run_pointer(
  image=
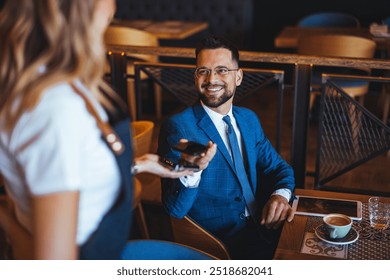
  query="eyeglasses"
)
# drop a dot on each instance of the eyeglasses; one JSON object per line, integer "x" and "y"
{"x": 203, "y": 72}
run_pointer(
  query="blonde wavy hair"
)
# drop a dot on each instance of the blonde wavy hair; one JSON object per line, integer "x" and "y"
{"x": 57, "y": 34}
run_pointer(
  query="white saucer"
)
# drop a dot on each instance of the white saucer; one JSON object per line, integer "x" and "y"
{"x": 322, "y": 234}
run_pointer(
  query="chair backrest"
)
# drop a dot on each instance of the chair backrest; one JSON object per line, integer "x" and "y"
{"x": 387, "y": 22}
{"x": 119, "y": 35}
{"x": 142, "y": 132}
{"x": 336, "y": 45}
{"x": 161, "y": 250}
{"x": 329, "y": 19}
{"x": 188, "y": 232}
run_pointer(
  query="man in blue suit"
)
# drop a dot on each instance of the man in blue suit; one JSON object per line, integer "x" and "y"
{"x": 214, "y": 196}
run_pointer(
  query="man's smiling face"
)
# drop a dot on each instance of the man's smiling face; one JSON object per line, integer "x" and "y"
{"x": 217, "y": 88}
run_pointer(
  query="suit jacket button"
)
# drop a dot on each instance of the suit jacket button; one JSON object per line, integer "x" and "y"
{"x": 239, "y": 199}
{"x": 242, "y": 216}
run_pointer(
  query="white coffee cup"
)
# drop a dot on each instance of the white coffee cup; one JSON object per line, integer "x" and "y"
{"x": 337, "y": 225}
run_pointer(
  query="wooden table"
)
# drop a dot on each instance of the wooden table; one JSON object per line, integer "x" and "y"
{"x": 292, "y": 236}
{"x": 170, "y": 29}
{"x": 288, "y": 37}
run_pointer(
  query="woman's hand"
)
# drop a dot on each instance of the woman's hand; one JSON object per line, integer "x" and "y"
{"x": 150, "y": 163}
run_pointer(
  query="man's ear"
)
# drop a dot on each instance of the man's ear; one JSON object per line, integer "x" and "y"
{"x": 239, "y": 77}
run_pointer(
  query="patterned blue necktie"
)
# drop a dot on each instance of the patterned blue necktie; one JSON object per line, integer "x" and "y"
{"x": 241, "y": 172}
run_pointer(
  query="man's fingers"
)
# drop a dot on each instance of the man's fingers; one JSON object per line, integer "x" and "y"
{"x": 290, "y": 215}
{"x": 276, "y": 212}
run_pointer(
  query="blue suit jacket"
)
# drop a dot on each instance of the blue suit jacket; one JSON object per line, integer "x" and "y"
{"x": 218, "y": 203}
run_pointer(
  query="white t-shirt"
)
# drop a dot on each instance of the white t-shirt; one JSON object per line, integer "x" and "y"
{"x": 58, "y": 147}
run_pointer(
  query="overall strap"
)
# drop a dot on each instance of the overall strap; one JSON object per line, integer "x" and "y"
{"x": 109, "y": 239}
{"x": 112, "y": 139}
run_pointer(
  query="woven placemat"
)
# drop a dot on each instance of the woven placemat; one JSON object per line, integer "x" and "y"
{"x": 371, "y": 245}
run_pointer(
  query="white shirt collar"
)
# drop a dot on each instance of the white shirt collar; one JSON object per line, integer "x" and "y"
{"x": 216, "y": 117}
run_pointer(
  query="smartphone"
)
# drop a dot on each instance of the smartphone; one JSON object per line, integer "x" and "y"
{"x": 167, "y": 163}
{"x": 191, "y": 148}
{"x": 185, "y": 165}
{"x": 182, "y": 165}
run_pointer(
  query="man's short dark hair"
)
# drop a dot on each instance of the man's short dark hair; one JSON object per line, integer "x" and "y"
{"x": 214, "y": 42}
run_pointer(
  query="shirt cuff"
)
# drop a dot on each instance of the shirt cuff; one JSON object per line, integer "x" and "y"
{"x": 191, "y": 181}
{"x": 286, "y": 193}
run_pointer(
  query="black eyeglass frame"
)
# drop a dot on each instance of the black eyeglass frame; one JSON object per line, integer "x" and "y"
{"x": 215, "y": 70}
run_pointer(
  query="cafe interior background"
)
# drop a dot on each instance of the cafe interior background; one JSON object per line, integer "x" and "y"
{"x": 253, "y": 26}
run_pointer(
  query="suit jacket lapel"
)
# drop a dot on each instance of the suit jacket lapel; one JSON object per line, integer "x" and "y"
{"x": 206, "y": 125}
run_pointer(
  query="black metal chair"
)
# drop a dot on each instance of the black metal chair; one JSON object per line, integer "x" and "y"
{"x": 343, "y": 145}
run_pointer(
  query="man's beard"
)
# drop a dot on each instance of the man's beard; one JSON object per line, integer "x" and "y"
{"x": 215, "y": 102}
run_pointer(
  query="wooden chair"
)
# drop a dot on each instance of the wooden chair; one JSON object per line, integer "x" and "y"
{"x": 118, "y": 35}
{"x": 142, "y": 136}
{"x": 142, "y": 132}
{"x": 340, "y": 46}
{"x": 308, "y": 45}
{"x": 188, "y": 232}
